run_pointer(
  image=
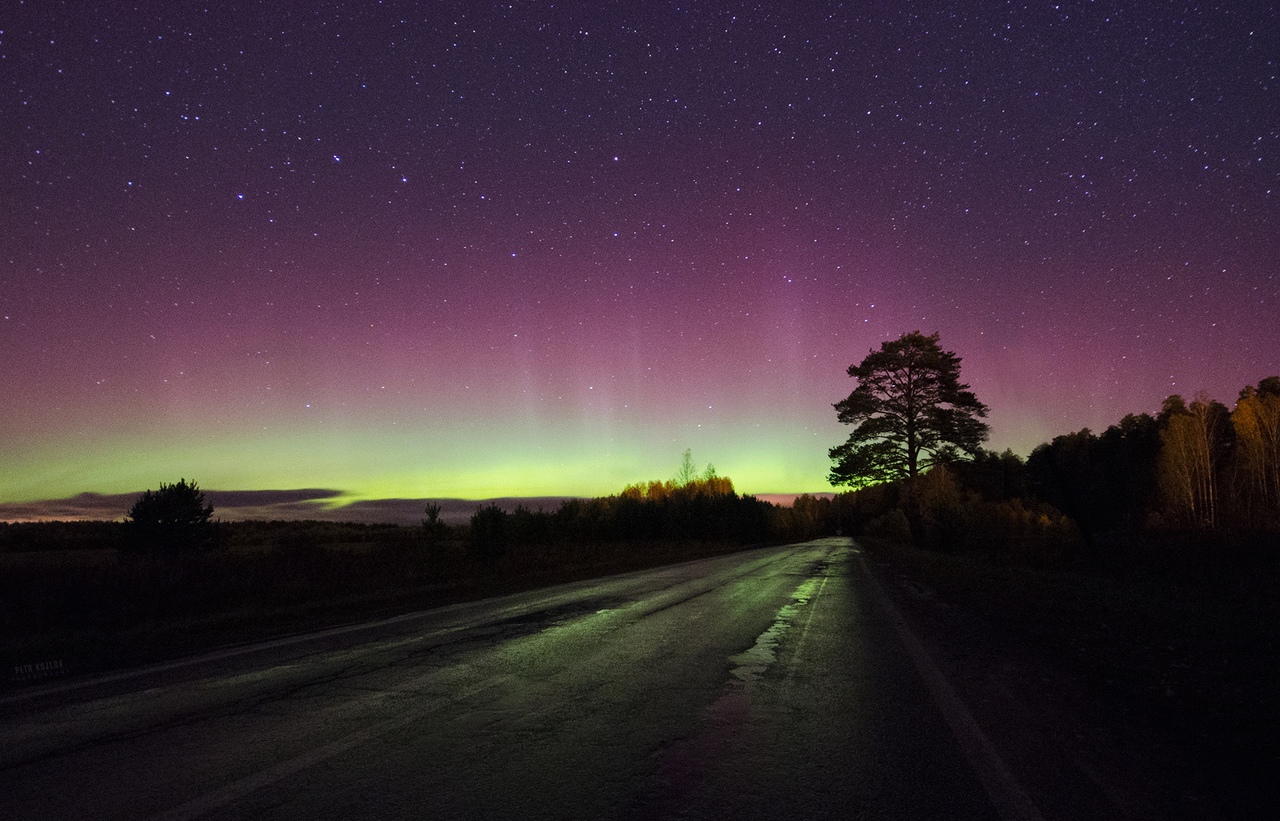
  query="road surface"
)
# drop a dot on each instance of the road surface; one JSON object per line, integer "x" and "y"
{"x": 767, "y": 684}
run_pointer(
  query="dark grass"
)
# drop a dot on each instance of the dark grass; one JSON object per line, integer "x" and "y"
{"x": 1175, "y": 634}
{"x": 74, "y": 612}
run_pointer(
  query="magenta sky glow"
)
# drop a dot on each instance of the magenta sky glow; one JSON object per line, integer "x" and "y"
{"x": 468, "y": 250}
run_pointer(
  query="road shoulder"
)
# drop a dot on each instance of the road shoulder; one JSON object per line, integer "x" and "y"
{"x": 1074, "y": 753}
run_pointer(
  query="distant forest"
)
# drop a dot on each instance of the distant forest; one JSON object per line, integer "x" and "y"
{"x": 1196, "y": 471}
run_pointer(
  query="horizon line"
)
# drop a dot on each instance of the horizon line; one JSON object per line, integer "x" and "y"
{"x": 305, "y": 504}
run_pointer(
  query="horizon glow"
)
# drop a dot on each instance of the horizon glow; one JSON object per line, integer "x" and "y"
{"x": 582, "y": 243}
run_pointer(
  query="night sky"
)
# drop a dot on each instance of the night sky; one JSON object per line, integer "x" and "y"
{"x": 461, "y": 249}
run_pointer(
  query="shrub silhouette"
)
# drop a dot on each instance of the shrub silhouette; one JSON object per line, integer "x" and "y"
{"x": 488, "y": 533}
{"x": 173, "y": 518}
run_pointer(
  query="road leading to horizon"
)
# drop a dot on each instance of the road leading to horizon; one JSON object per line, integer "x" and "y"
{"x": 767, "y": 684}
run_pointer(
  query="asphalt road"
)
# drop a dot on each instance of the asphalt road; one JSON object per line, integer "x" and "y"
{"x": 765, "y": 684}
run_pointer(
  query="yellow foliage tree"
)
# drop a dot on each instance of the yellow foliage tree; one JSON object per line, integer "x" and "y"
{"x": 1256, "y": 421}
{"x": 1189, "y": 455}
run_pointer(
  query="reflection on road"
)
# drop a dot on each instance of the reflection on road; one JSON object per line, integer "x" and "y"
{"x": 750, "y": 685}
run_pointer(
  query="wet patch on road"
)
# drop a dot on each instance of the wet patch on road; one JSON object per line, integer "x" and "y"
{"x": 685, "y": 765}
{"x": 541, "y": 619}
{"x": 752, "y": 664}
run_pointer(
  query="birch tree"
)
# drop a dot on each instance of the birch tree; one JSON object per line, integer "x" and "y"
{"x": 1256, "y": 422}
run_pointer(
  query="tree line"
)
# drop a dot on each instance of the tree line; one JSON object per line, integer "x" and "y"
{"x": 918, "y": 470}
{"x": 1195, "y": 466}
{"x": 691, "y": 508}
{"x": 696, "y": 506}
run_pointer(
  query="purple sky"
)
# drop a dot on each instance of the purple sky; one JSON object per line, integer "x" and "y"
{"x": 468, "y": 250}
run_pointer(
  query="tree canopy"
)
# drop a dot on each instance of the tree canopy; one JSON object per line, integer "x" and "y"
{"x": 909, "y": 411}
{"x": 173, "y": 517}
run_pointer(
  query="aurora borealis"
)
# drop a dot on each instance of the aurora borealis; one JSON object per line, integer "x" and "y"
{"x": 401, "y": 250}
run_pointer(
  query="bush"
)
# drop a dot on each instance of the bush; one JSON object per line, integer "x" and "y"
{"x": 488, "y": 533}
{"x": 891, "y": 526}
{"x": 944, "y": 510}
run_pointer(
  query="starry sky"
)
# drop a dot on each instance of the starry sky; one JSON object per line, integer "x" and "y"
{"x": 396, "y": 250}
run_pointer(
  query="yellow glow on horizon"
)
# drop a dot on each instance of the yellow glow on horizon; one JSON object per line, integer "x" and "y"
{"x": 388, "y": 461}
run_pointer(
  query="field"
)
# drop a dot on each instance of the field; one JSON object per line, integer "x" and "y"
{"x": 72, "y": 604}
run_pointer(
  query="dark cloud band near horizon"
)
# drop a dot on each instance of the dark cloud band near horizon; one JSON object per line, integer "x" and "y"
{"x": 289, "y": 505}
{"x": 270, "y": 505}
